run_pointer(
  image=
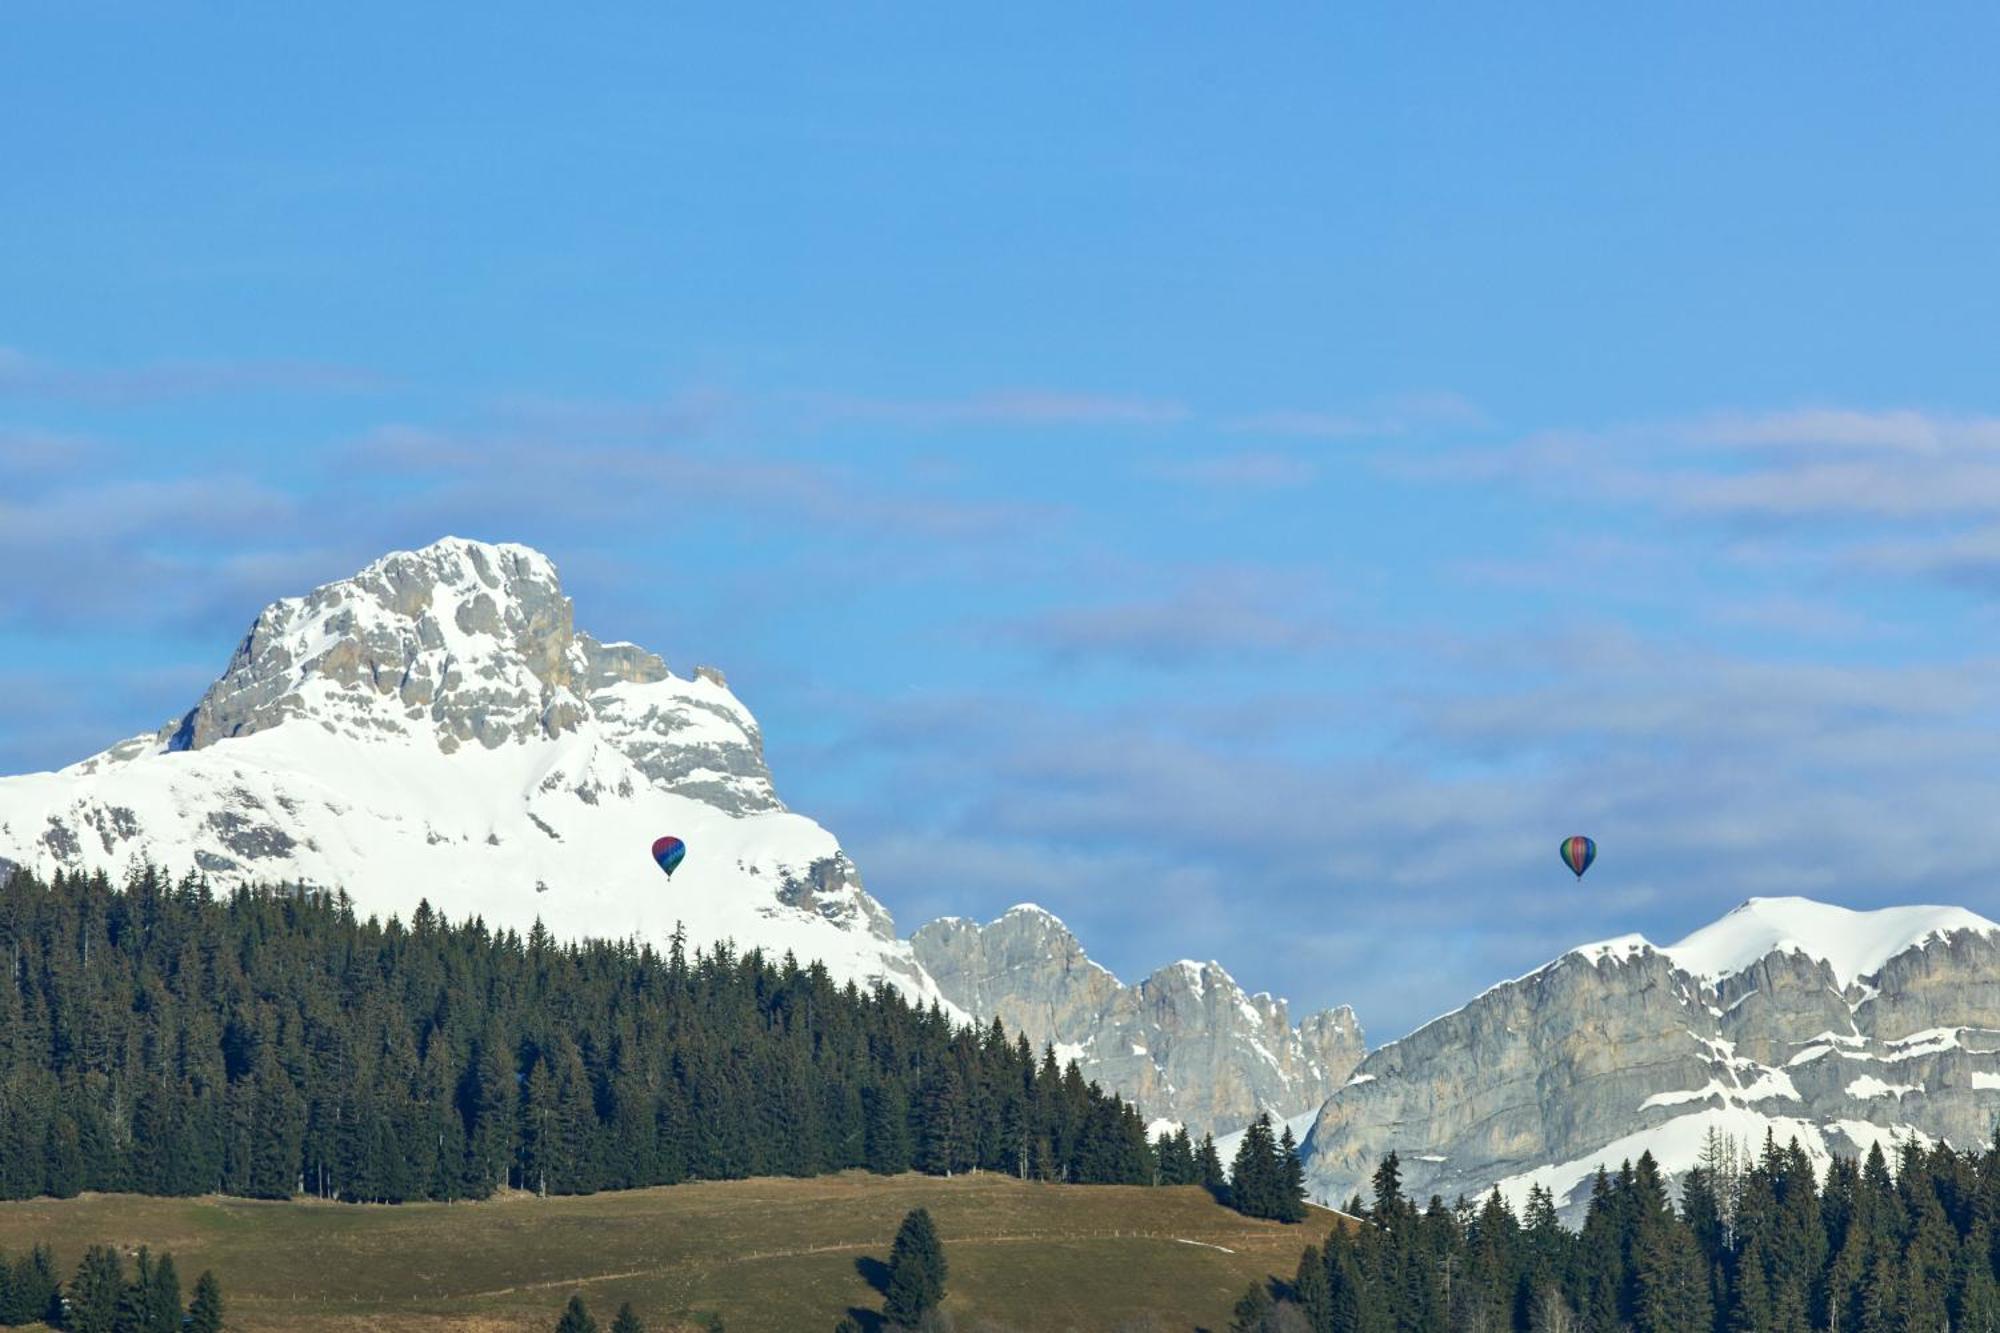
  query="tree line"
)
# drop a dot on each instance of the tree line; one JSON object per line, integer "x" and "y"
{"x": 158, "y": 1038}
{"x": 103, "y": 1298}
{"x": 1757, "y": 1243}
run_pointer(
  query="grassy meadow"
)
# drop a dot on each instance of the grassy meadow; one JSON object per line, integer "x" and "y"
{"x": 766, "y": 1254}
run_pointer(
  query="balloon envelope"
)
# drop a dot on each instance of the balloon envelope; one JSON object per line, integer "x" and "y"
{"x": 1577, "y": 853}
{"x": 668, "y": 852}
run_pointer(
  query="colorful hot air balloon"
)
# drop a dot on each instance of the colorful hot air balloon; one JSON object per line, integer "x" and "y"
{"x": 669, "y": 852}
{"x": 1577, "y": 853}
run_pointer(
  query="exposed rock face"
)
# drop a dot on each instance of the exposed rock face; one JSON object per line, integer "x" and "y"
{"x": 468, "y": 643}
{"x": 1622, "y": 1048}
{"x": 1186, "y": 1043}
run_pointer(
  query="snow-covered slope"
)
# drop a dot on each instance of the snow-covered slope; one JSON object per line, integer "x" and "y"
{"x": 435, "y": 727}
{"x": 1840, "y": 1028}
{"x": 1852, "y": 943}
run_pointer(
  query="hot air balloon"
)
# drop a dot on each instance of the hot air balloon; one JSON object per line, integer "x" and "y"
{"x": 669, "y": 852}
{"x": 1577, "y": 853}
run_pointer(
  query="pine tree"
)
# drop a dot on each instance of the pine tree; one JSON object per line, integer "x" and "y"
{"x": 1975, "y": 1305}
{"x": 205, "y": 1311}
{"x": 135, "y": 1301}
{"x": 1388, "y": 1186}
{"x": 1313, "y": 1292}
{"x": 1255, "y": 1311}
{"x": 1208, "y": 1168}
{"x": 576, "y": 1318}
{"x": 1291, "y": 1199}
{"x": 163, "y": 1298}
{"x": 1252, "y": 1186}
{"x": 888, "y": 1135}
{"x": 96, "y": 1292}
{"x": 917, "y": 1271}
{"x": 627, "y": 1321}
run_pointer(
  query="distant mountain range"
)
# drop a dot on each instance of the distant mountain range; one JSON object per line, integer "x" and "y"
{"x": 436, "y": 727}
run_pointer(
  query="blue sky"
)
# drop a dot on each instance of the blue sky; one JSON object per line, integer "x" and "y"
{"x": 1250, "y": 482}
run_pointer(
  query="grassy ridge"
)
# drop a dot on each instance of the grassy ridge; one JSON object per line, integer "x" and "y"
{"x": 765, "y": 1254}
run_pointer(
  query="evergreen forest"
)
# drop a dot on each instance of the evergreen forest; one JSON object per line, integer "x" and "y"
{"x": 160, "y": 1039}
{"x": 1755, "y": 1244}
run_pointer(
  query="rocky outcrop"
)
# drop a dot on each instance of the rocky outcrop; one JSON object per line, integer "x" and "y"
{"x": 1621, "y": 1048}
{"x": 1186, "y": 1043}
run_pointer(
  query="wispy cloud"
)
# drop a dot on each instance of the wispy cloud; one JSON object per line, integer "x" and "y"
{"x": 1202, "y": 622}
{"x": 30, "y": 451}
{"x": 1258, "y": 470}
{"x": 1820, "y": 428}
{"x": 24, "y": 376}
{"x": 1392, "y": 417}
{"x": 506, "y": 474}
{"x": 1903, "y": 493}
{"x": 1004, "y": 408}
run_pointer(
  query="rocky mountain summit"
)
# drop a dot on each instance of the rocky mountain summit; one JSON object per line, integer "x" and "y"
{"x": 436, "y": 726}
{"x": 1186, "y": 1043}
{"x": 1843, "y": 1029}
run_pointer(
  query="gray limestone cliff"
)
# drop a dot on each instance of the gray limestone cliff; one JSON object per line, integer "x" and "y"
{"x": 1621, "y": 1048}
{"x": 1187, "y": 1044}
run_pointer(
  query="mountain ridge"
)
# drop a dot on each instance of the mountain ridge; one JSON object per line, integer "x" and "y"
{"x": 1619, "y": 1047}
{"x": 436, "y": 725}
{"x": 1176, "y": 1040}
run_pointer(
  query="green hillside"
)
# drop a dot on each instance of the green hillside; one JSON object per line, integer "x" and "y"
{"x": 764, "y": 1254}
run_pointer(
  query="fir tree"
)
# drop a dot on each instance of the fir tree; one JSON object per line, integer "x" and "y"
{"x": 1312, "y": 1291}
{"x": 627, "y": 1321}
{"x": 576, "y": 1318}
{"x": 96, "y": 1291}
{"x": 1255, "y": 1311}
{"x": 1208, "y": 1168}
{"x": 917, "y": 1271}
{"x": 888, "y": 1135}
{"x": 205, "y": 1310}
{"x": 1291, "y": 1192}
{"x": 163, "y": 1298}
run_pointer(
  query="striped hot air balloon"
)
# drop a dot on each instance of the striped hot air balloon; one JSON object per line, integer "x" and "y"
{"x": 669, "y": 852}
{"x": 1577, "y": 853}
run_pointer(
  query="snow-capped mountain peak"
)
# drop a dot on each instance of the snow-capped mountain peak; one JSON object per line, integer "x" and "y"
{"x": 436, "y": 727}
{"x": 1853, "y": 943}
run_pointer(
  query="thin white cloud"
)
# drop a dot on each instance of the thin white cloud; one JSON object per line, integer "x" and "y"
{"x": 127, "y": 386}
{"x": 1260, "y": 470}
{"x": 1005, "y": 408}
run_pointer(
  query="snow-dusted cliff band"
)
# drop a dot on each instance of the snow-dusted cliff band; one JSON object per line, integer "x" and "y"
{"x": 437, "y": 727}
{"x": 1842, "y": 1029}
